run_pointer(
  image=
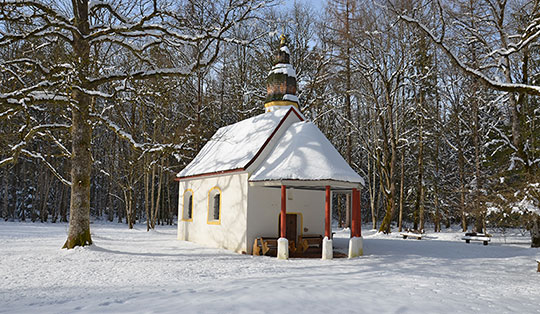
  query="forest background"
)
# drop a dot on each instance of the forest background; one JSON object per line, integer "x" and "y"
{"x": 434, "y": 103}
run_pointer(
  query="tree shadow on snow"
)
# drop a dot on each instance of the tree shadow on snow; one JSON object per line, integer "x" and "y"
{"x": 185, "y": 253}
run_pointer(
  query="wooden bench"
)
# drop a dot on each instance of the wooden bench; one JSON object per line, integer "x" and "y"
{"x": 265, "y": 244}
{"x": 538, "y": 261}
{"x": 307, "y": 240}
{"x": 412, "y": 233}
{"x": 473, "y": 236}
{"x": 406, "y": 235}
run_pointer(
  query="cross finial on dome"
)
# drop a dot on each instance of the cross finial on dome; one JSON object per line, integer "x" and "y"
{"x": 283, "y": 41}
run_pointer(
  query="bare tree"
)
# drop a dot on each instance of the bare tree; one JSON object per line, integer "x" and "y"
{"x": 81, "y": 78}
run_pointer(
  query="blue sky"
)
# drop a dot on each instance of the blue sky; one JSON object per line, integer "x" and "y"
{"x": 317, "y": 4}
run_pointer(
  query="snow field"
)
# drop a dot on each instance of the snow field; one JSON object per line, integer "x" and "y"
{"x": 152, "y": 272}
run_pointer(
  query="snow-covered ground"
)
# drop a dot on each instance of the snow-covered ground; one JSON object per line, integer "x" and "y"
{"x": 137, "y": 271}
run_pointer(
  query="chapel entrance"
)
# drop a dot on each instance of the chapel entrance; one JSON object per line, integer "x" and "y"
{"x": 292, "y": 227}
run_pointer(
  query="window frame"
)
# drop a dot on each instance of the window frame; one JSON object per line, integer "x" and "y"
{"x": 183, "y": 205}
{"x": 210, "y": 213}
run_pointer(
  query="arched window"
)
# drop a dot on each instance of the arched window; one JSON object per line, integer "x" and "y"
{"x": 187, "y": 205}
{"x": 214, "y": 206}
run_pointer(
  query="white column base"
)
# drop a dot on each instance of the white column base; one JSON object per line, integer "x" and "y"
{"x": 282, "y": 248}
{"x": 356, "y": 247}
{"x": 327, "y": 249}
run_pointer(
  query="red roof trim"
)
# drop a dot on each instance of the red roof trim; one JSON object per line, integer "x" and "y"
{"x": 307, "y": 180}
{"x": 272, "y": 135}
{"x": 254, "y": 157}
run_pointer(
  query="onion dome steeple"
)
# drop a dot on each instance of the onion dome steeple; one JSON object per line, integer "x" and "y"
{"x": 281, "y": 81}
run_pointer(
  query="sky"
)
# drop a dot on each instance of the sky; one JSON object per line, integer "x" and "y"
{"x": 317, "y": 4}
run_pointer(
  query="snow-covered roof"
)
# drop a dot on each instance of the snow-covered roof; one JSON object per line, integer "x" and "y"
{"x": 234, "y": 146}
{"x": 304, "y": 153}
{"x": 274, "y": 148}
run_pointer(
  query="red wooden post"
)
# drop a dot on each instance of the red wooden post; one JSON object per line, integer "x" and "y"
{"x": 354, "y": 225}
{"x": 283, "y": 211}
{"x": 359, "y": 215}
{"x": 327, "y": 232}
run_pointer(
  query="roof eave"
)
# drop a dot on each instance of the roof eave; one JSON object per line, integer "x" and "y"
{"x": 215, "y": 173}
{"x": 309, "y": 184}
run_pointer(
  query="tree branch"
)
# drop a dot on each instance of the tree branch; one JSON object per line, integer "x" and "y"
{"x": 497, "y": 85}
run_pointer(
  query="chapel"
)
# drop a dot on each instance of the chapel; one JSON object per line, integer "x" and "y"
{"x": 263, "y": 185}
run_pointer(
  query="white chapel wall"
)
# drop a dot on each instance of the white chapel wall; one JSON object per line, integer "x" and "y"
{"x": 231, "y": 232}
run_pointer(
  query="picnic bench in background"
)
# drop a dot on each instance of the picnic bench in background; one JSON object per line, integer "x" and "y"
{"x": 411, "y": 233}
{"x": 538, "y": 261}
{"x": 473, "y": 236}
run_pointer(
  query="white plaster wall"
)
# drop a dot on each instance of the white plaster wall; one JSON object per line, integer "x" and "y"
{"x": 231, "y": 233}
{"x": 264, "y": 206}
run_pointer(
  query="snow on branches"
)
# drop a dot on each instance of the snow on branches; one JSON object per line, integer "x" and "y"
{"x": 51, "y": 55}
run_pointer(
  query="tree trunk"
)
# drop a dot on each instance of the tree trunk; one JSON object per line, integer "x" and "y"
{"x": 389, "y": 148}
{"x": 63, "y": 204}
{"x": 437, "y": 215}
{"x": 81, "y": 167}
{"x": 535, "y": 232}
{"x": 5, "y": 212}
{"x": 146, "y": 191}
{"x": 461, "y": 169}
{"x": 401, "y": 190}
{"x": 372, "y": 194}
{"x": 81, "y": 163}
{"x": 419, "y": 207}
{"x": 120, "y": 216}
{"x": 348, "y": 73}
{"x": 169, "y": 207}
{"x": 54, "y": 209}
{"x": 109, "y": 202}
{"x": 128, "y": 197}
{"x": 43, "y": 211}
{"x": 81, "y": 137}
{"x": 479, "y": 212}
{"x": 156, "y": 208}
{"x": 35, "y": 199}
{"x": 152, "y": 197}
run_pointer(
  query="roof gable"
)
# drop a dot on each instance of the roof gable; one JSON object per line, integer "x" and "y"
{"x": 304, "y": 153}
{"x": 236, "y": 146}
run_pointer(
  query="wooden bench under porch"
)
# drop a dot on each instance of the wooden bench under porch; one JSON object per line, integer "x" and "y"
{"x": 309, "y": 240}
{"x": 309, "y": 246}
{"x": 268, "y": 245}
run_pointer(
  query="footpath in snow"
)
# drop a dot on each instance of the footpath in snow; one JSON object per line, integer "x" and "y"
{"x": 134, "y": 271}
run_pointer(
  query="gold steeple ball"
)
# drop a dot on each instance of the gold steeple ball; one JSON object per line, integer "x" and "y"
{"x": 283, "y": 40}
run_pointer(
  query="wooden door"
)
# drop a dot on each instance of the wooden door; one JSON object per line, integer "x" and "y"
{"x": 292, "y": 226}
